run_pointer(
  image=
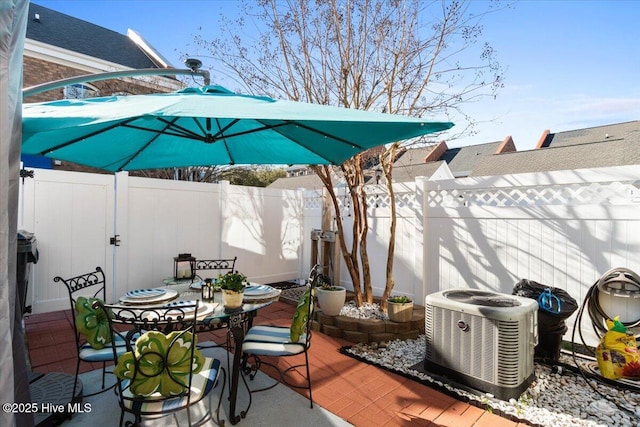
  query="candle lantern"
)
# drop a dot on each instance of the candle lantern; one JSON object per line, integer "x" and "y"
{"x": 207, "y": 290}
{"x": 184, "y": 267}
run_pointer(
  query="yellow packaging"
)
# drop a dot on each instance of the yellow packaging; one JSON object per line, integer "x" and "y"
{"x": 617, "y": 353}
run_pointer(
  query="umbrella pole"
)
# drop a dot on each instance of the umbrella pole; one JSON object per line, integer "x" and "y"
{"x": 33, "y": 90}
{"x": 114, "y": 254}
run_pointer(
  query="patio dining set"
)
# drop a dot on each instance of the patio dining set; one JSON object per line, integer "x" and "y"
{"x": 150, "y": 336}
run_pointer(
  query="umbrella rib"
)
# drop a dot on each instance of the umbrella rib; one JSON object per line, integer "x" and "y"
{"x": 80, "y": 138}
{"x": 288, "y": 123}
{"x": 326, "y": 135}
{"x": 132, "y": 157}
{"x": 232, "y": 161}
{"x": 171, "y": 129}
{"x": 183, "y": 131}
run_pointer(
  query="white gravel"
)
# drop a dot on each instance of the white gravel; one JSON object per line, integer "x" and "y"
{"x": 555, "y": 399}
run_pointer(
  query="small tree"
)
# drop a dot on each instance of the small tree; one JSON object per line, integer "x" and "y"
{"x": 394, "y": 56}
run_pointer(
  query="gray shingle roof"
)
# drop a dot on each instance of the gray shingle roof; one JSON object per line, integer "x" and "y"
{"x": 410, "y": 172}
{"x": 464, "y": 159}
{"x": 413, "y": 156}
{"x": 80, "y": 36}
{"x": 590, "y": 155}
{"x": 595, "y": 134}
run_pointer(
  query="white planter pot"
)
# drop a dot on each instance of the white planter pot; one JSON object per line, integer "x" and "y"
{"x": 232, "y": 299}
{"x": 331, "y": 302}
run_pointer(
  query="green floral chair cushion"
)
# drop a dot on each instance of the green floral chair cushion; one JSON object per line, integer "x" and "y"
{"x": 300, "y": 317}
{"x": 92, "y": 323}
{"x": 162, "y": 368}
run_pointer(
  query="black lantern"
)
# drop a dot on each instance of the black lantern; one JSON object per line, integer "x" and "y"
{"x": 184, "y": 267}
{"x": 207, "y": 290}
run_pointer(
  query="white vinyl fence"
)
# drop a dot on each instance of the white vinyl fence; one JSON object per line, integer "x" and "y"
{"x": 74, "y": 215}
{"x": 562, "y": 229}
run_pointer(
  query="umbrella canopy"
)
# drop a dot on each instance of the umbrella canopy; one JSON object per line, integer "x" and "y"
{"x": 204, "y": 127}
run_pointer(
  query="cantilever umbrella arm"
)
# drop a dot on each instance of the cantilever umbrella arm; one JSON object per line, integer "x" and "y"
{"x": 33, "y": 90}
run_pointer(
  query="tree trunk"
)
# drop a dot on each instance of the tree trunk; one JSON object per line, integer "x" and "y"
{"x": 349, "y": 257}
{"x": 386, "y": 160}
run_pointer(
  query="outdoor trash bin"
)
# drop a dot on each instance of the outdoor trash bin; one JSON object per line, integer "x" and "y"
{"x": 554, "y": 306}
{"x": 27, "y": 255}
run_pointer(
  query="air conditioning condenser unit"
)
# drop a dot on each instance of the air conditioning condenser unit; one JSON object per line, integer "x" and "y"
{"x": 481, "y": 339}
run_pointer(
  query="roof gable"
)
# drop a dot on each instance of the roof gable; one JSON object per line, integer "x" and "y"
{"x": 83, "y": 37}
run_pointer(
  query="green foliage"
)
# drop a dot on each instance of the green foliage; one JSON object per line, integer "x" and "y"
{"x": 253, "y": 176}
{"x": 233, "y": 281}
{"x": 324, "y": 283}
{"x": 399, "y": 299}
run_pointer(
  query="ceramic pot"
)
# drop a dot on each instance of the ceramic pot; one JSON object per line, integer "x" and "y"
{"x": 232, "y": 299}
{"x": 400, "y": 311}
{"x": 331, "y": 301}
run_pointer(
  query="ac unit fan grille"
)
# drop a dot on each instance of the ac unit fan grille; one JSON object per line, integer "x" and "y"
{"x": 490, "y": 350}
{"x": 483, "y": 298}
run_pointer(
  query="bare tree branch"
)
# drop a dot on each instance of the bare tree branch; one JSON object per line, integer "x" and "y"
{"x": 395, "y": 56}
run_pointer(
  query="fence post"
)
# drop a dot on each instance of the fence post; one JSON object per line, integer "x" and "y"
{"x": 222, "y": 204}
{"x": 420, "y": 260}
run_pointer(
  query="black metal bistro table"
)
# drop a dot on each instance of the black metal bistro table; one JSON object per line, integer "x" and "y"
{"x": 212, "y": 315}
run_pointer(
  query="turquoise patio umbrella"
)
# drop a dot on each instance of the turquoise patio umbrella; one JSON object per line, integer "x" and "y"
{"x": 207, "y": 126}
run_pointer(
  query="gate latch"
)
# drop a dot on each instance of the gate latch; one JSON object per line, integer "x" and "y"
{"x": 115, "y": 241}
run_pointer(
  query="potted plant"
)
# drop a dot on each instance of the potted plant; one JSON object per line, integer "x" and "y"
{"x": 331, "y": 298}
{"x": 232, "y": 285}
{"x": 399, "y": 308}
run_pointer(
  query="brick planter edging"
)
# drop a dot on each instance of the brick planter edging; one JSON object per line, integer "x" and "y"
{"x": 370, "y": 330}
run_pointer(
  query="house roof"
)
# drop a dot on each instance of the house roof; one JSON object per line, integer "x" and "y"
{"x": 84, "y": 37}
{"x": 413, "y": 156}
{"x": 410, "y": 172}
{"x": 463, "y": 160}
{"x": 611, "y": 132}
{"x": 618, "y": 152}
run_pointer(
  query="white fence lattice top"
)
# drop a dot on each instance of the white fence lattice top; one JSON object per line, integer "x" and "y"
{"x": 609, "y": 193}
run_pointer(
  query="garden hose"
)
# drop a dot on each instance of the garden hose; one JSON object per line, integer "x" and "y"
{"x": 598, "y": 319}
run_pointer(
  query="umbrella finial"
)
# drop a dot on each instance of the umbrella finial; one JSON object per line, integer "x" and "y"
{"x": 193, "y": 64}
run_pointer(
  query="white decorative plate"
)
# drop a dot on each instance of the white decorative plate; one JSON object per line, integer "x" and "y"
{"x": 196, "y": 285}
{"x": 168, "y": 295}
{"x": 272, "y": 295}
{"x": 179, "y": 305}
{"x": 256, "y": 290}
{"x": 204, "y": 308}
{"x": 145, "y": 293}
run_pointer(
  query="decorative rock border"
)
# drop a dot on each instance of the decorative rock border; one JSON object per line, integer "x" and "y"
{"x": 369, "y": 330}
{"x": 360, "y": 330}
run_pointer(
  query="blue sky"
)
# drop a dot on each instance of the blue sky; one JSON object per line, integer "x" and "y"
{"x": 569, "y": 64}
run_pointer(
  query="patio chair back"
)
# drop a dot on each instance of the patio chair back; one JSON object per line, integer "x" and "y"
{"x": 161, "y": 359}
{"x": 79, "y": 286}
{"x": 217, "y": 266}
{"x": 264, "y": 342}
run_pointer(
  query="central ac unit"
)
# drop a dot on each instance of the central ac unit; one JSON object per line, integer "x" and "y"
{"x": 482, "y": 339}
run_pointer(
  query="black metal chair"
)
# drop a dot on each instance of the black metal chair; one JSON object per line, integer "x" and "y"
{"x": 220, "y": 266}
{"x": 162, "y": 371}
{"x": 77, "y": 287}
{"x": 279, "y": 341}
